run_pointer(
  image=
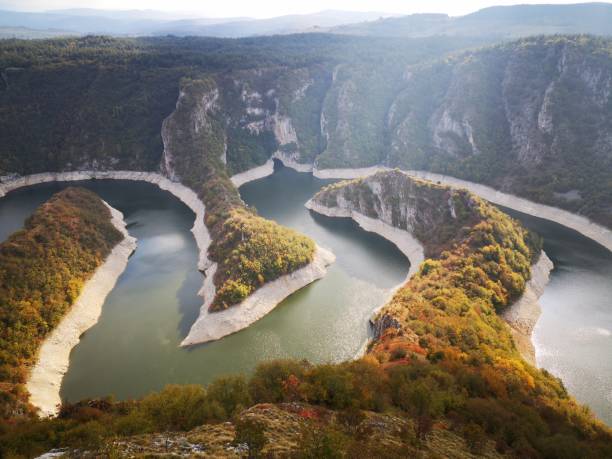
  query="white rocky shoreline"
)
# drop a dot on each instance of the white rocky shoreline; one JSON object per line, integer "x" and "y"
{"x": 403, "y": 240}
{"x": 211, "y": 326}
{"x": 46, "y": 376}
{"x": 262, "y": 296}
{"x": 583, "y": 225}
{"x": 255, "y": 173}
{"x": 523, "y": 314}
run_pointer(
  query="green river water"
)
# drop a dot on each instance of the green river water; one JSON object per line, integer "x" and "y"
{"x": 133, "y": 349}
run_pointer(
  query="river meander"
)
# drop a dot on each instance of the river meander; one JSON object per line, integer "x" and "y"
{"x": 134, "y": 347}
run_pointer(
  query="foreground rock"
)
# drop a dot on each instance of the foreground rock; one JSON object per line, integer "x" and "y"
{"x": 286, "y": 427}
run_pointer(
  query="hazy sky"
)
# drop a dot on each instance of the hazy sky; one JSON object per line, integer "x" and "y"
{"x": 269, "y": 8}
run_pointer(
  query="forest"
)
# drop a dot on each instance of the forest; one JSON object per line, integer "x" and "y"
{"x": 448, "y": 363}
{"x": 42, "y": 270}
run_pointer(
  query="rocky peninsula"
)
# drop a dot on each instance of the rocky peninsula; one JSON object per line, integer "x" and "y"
{"x": 410, "y": 213}
{"x": 211, "y": 326}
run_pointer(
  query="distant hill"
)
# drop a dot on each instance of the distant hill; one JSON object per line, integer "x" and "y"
{"x": 27, "y": 33}
{"x": 148, "y": 22}
{"x": 272, "y": 26}
{"x": 503, "y": 21}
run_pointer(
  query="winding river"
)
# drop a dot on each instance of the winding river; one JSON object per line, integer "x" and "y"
{"x": 134, "y": 347}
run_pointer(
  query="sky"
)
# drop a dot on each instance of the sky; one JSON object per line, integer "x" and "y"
{"x": 270, "y": 8}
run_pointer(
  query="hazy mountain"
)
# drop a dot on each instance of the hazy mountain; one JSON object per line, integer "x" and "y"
{"x": 278, "y": 25}
{"x": 149, "y": 22}
{"x": 26, "y": 33}
{"x": 503, "y": 21}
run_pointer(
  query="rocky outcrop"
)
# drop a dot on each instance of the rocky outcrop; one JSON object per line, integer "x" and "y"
{"x": 582, "y": 225}
{"x": 383, "y": 322}
{"x": 398, "y": 208}
{"x": 46, "y": 376}
{"x": 211, "y": 326}
{"x": 404, "y": 241}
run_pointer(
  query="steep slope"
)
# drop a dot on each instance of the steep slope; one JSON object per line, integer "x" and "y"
{"x": 531, "y": 117}
{"x": 247, "y": 250}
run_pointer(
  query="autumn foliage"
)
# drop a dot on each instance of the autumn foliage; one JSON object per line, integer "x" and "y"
{"x": 42, "y": 270}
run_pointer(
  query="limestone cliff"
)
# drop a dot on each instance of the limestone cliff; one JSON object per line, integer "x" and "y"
{"x": 531, "y": 117}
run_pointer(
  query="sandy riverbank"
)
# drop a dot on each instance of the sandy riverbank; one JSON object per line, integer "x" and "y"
{"x": 54, "y": 356}
{"x": 211, "y": 326}
{"x": 184, "y": 194}
{"x": 523, "y": 314}
{"x": 253, "y": 174}
{"x": 405, "y": 242}
{"x": 267, "y": 169}
{"x": 261, "y": 300}
{"x": 290, "y": 162}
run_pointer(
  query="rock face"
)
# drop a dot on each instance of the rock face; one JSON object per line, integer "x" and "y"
{"x": 531, "y": 117}
{"x": 273, "y": 111}
{"x": 520, "y": 117}
{"x": 400, "y": 202}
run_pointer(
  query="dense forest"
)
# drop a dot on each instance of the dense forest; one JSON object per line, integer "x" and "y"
{"x": 529, "y": 116}
{"x": 443, "y": 378}
{"x": 42, "y": 270}
{"x": 532, "y": 117}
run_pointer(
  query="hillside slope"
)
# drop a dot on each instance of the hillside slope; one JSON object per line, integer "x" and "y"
{"x": 43, "y": 269}
{"x": 532, "y": 117}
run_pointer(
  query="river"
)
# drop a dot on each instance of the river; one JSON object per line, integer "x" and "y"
{"x": 134, "y": 347}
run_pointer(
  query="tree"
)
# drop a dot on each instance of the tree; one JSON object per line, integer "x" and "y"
{"x": 251, "y": 433}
